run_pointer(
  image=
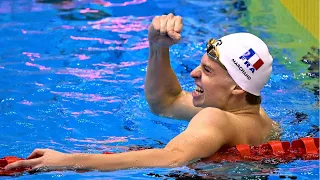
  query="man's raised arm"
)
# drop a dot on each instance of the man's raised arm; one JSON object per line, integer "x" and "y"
{"x": 162, "y": 89}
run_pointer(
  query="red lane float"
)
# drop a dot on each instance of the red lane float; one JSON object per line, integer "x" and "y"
{"x": 7, "y": 160}
{"x": 271, "y": 152}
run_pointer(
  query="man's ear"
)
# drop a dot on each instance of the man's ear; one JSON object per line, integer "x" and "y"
{"x": 238, "y": 90}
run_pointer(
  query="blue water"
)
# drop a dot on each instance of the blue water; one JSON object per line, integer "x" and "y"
{"x": 72, "y": 80}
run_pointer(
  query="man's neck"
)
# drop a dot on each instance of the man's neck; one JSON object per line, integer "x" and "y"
{"x": 250, "y": 109}
{"x": 243, "y": 108}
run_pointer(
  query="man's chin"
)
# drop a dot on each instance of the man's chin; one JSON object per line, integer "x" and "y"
{"x": 196, "y": 103}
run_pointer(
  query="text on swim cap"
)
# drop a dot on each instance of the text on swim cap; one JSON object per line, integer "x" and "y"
{"x": 219, "y": 42}
{"x": 241, "y": 69}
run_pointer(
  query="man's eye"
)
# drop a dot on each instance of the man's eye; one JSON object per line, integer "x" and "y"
{"x": 206, "y": 69}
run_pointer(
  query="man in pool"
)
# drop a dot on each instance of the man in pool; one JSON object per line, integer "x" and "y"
{"x": 224, "y": 109}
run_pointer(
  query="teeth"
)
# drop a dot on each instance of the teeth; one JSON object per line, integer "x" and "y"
{"x": 199, "y": 89}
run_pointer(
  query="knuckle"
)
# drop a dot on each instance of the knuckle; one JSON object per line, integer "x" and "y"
{"x": 157, "y": 18}
{"x": 170, "y": 20}
{"x": 162, "y": 21}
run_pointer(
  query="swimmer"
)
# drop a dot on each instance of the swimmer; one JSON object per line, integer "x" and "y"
{"x": 224, "y": 109}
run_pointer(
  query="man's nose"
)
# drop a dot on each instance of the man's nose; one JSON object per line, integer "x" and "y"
{"x": 196, "y": 73}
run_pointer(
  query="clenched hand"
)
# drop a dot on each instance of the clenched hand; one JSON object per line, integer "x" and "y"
{"x": 165, "y": 30}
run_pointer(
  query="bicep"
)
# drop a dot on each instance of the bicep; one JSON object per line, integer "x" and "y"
{"x": 182, "y": 107}
{"x": 191, "y": 145}
{"x": 202, "y": 138}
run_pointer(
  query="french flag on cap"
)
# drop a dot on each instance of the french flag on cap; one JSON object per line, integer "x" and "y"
{"x": 253, "y": 59}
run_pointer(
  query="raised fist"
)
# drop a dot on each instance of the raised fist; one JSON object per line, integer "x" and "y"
{"x": 165, "y": 30}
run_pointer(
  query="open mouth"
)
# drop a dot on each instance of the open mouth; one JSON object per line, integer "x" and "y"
{"x": 198, "y": 90}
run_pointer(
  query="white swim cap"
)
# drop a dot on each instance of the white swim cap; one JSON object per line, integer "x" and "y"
{"x": 247, "y": 60}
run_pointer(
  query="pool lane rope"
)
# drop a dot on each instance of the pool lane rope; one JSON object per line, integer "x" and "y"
{"x": 272, "y": 152}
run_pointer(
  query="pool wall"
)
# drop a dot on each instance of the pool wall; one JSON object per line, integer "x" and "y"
{"x": 306, "y": 13}
{"x": 292, "y": 33}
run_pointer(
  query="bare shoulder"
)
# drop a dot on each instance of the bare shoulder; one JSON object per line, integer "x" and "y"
{"x": 214, "y": 117}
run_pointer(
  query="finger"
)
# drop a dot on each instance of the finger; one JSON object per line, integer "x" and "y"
{"x": 156, "y": 23}
{"x": 37, "y": 153}
{"x": 170, "y": 23}
{"x": 174, "y": 36}
{"x": 23, "y": 164}
{"x": 163, "y": 25}
{"x": 178, "y": 24}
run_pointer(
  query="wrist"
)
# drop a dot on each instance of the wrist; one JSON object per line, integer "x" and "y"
{"x": 158, "y": 49}
{"x": 76, "y": 161}
{"x": 157, "y": 45}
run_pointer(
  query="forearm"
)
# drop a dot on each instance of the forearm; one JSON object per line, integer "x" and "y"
{"x": 134, "y": 159}
{"x": 161, "y": 85}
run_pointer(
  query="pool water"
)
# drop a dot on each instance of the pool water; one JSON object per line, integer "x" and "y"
{"x": 72, "y": 79}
